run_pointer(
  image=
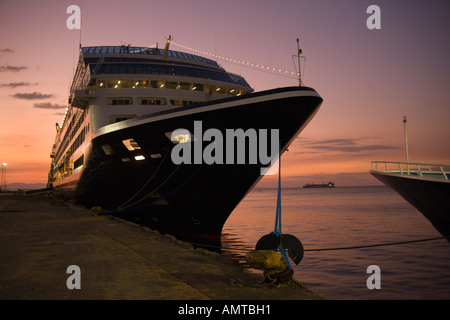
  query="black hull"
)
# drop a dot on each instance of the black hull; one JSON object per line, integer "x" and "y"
{"x": 190, "y": 201}
{"x": 430, "y": 197}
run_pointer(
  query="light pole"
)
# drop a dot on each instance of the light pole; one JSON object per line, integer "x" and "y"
{"x": 406, "y": 144}
{"x": 4, "y": 176}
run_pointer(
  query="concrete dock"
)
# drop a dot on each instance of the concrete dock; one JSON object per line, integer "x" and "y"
{"x": 41, "y": 237}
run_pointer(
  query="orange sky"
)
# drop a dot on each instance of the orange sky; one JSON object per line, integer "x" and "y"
{"x": 369, "y": 79}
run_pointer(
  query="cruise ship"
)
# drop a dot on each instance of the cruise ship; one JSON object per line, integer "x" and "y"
{"x": 129, "y": 107}
{"x": 425, "y": 185}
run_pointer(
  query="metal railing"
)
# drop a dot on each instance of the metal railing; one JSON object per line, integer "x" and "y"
{"x": 422, "y": 169}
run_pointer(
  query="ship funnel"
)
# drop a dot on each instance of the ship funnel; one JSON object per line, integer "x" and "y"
{"x": 166, "y": 49}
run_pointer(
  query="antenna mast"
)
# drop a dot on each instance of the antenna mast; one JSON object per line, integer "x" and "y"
{"x": 166, "y": 49}
{"x": 299, "y": 52}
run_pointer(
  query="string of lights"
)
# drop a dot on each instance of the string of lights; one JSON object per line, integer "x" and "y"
{"x": 277, "y": 71}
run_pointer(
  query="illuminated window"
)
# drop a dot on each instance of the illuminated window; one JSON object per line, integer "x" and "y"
{"x": 151, "y": 101}
{"x": 113, "y": 84}
{"x": 198, "y": 87}
{"x": 210, "y": 88}
{"x": 140, "y": 157}
{"x": 182, "y": 103}
{"x": 141, "y": 84}
{"x": 184, "y": 85}
{"x": 179, "y": 136}
{"x": 131, "y": 144}
{"x": 171, "y": 84}
{"x": 221, "y": 89}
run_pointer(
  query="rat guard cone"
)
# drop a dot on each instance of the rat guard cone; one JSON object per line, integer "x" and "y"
{"x": 287, "y": 242}
{"x": 293, "y": 246}
{"x": 270, "y": 241}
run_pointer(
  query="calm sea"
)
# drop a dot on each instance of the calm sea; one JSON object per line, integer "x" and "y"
{"x": 344, "y": 217}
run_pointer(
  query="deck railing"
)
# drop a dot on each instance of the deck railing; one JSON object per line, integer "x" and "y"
{"x": 427, "y": 169}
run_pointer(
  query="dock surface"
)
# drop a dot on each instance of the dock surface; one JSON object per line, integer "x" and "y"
{"x": 41, "y": 237}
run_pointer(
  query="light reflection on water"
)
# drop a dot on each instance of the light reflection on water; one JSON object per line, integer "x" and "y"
{"x": 343, "y": 217}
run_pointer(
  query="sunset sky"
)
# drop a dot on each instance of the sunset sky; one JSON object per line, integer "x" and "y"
{"x": 369, "y": 79}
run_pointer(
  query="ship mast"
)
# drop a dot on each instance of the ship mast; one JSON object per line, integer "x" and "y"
{"x": 299, "y": 52}
{"x": 166, "y": 49}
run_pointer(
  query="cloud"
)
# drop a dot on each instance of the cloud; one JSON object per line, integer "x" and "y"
{"x": 6, "y": 50}
{"x": 48, "y": 105}
{"x": 11, "y": 68}
{"x": 17, "y": 84}
{"x": 32, "y": 96}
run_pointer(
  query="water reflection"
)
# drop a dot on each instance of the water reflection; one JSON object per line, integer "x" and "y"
{"x": 341, "y": 217}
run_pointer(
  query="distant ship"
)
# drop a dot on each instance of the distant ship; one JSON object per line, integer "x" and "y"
{"x": 126, "y": 103}
{"x": 425, "y": 185}
{"x": 321, "y": 185}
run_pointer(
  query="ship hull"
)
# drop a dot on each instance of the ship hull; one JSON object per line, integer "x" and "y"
{"x": 429, "y": 196}
{"x": 190, "y": 201}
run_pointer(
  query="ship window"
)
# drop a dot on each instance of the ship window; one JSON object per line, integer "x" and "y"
{"x": 121, "y": 117}
{"x": 185, "y": 85}
{"x": 101, "y": 84}
{"x": 119, "y": 101}
{"x": 125, "y": 83}
{"x": 107, "y": 149}
{"x": 113, "y": 84}
{"x": 140, "y": 84}
{"x": 154, "y": 84}
{"x": 125, "y": 68}
{"x": 131, "y": 144}
{"x": 232, "y": 91}
{"x": 140, "y": 157}
{"x": 79, "y": 162}
{"x": 210, "y": 88}
{"x": 179, "y": 136}
{"x": 221, "y": 89}
{"x": 182, "y": 103}
{"x": 161, "y": 84}
{"x": 171, "y": 84}
{"x": 198, "y": 87}
{"x": 151, "y": 101}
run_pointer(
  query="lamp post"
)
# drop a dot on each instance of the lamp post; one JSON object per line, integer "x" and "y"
{"x": 406, "y": 144}
{"x": 4, "y": 176}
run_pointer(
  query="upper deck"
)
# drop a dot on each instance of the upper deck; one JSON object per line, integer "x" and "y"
{"x": 147, "y": 53}
{"x": 126, "y": 60}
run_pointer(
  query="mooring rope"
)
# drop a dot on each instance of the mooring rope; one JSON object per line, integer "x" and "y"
{"x": 335, "y": 248}
{"x": 378, "y": 245}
